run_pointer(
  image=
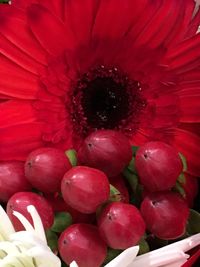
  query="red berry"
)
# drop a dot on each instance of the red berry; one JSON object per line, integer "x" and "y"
{"x": 84, "y": 188}
{"x": 119, "y": 183}
{"x": 165, "y": 214}
{"x": 158, "y": 166}
{"x": 121, "y": 225}
{"x": 58, "y": 204}
{"x": 20, "y": 201}
{"x": 12, "y": 179}
{"x": 45, "y": 167}
{"x": 82, "y": 243}
{"x": 107, "y": 150}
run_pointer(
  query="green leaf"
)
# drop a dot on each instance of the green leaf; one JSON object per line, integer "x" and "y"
{"x": 131, "y": 166}
{"x": 115, "y": 195}
{"x": 72, "y": 156}
{"x": 131, "y": 178}
{"x": 193, "y": 225}
{"x": 4, "y": 1}
{"x": 144, "y": 247}
{"x": 61, "y": 221}
{"x": 52, "y": 240}
{"x": 184, "y": 162}
{"x": 111, "y": 254}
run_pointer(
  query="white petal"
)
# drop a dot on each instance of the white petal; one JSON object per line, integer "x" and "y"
{"x": 183, "y": 245}
{"x": 1, "y": 238}
{"x": 44, "y": 257}
{"x": 11, "y": 260}
{"x": 178, "y": 263}
{"x": 125, "y": 258}
{"x": 155, "y": 259}
{"x": 2, "y": 254}
{"x": 73, "y": 264}
{"x": 6, "y": 227}
{"x": 27, "y": 261}
{"x": 27, "y": 225}
{"x": 28, "y": 239}
{"x": 8, "y": 247}
{"x": 39, "y": 229}
{"x": 159, "y": 254}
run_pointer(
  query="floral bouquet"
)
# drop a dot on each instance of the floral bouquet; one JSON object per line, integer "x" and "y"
{"x": 99, "y": 133}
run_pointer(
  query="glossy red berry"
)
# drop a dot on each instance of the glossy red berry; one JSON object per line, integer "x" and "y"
{"x": 45, "y": 167}
{"x": 165, "y": 214}
{"x": 158, "y": 166}
{"x": 121, "y": 225}
{"x": 107, "y": 150}
{"x": 83, "y": 244}
{"x": 12, "y": 179}
{"x": 20, "y": 201}
{"x": 85, "y": 188}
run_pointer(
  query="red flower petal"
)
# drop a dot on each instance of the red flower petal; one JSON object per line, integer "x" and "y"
{"x": 194, "y": 23}
{"x": 114, "y": 20}
{"x": 188, "y": 13}
{"x": 158, "y": 30}
{"x": 188, "y": 144}
{"x": 191, "y": 127}
{"x": 184, "y": 57}
{"x": 10, "y": 51}
{"x": 139, "y": 138}
{"x": 190, "y": 109}
{"x": 15, "y": 81}
{"x": 23, "y": 3}
{"x": 55, "y": 6}
{"x": 19, "y": 140}
{"x": 15, "y": 112}
{"x": 9, "y": 11}
{"x": 142, "y": 19}
{"x": 49, "y": 30}
{"x": 25, "y": 41}
{"x": 81, "y": 17}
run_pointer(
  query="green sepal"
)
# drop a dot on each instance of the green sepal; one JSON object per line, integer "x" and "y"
{"x": 131, "y": 166}
{"x": 134, "y": 149}
{"x": 111, "y": 254}
{"x": 63, "y": 264}
{"x": 131, "y": 178}
{"x": 184, "y": 161}
{"x": 115, "y": 195}
{"x": 193, "y": 224}
{"x": 62, "y": 220}
{"x": 144, "y": 247}
{"x": 72, "y": 156}
{"x": 178, "y": 188}
{"x": 52, "y": 240}
{"x": 181, "y": 179}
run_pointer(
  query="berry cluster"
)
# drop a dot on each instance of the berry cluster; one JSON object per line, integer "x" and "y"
{"x": 102, "y": 199}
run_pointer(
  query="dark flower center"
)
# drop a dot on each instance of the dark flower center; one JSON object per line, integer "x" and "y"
{"x": 105, "y": 103}
{"x": 106, "y": 99}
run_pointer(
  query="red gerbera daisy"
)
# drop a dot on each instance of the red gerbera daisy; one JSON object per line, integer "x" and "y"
{"x": 68, "y": 67}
